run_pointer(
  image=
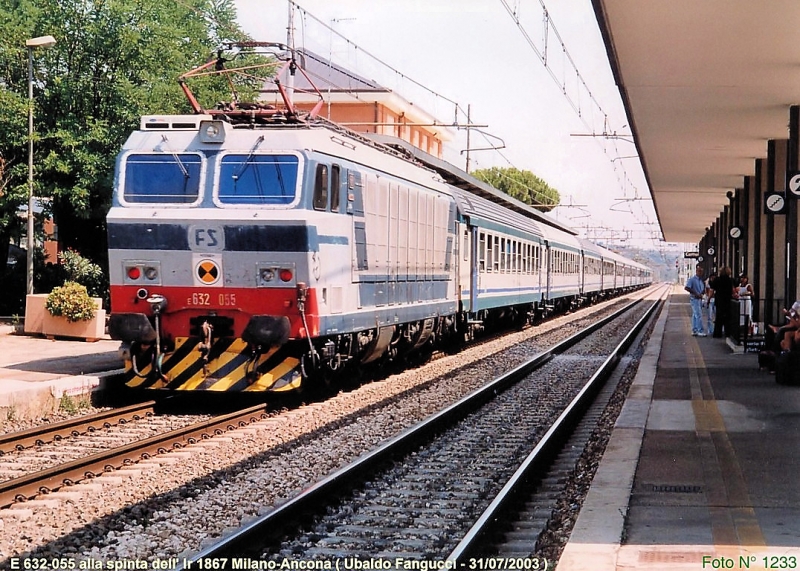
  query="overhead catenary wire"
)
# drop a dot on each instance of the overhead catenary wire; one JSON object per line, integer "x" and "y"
{"x": 574, "y": 102}
{"x": 586, "y": 107}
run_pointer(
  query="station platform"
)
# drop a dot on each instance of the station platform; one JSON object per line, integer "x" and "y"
{"x": 703, "y": 467}
{"x": 36, "y": 372}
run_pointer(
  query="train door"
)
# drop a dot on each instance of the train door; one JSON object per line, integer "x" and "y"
{"x": 547, "y": 256}
{"x": 466, "y": 268}
{"x": 581, "y": 273}
{"x": 462, "y": 267}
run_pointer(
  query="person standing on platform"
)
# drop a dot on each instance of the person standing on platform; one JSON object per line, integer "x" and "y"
{"x": 710, "y": 305}
{"x": 723, "y": 296}
{"x": 745, "y": 293}
{"x": 697, "y": 289}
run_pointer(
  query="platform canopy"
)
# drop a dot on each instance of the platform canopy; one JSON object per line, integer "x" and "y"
{"x": 706, "y": 83}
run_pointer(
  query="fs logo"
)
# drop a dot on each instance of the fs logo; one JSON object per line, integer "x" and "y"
{"x": 206, "y": 238}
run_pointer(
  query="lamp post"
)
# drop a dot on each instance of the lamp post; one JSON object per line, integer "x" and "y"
{"x": 32, "y": 44}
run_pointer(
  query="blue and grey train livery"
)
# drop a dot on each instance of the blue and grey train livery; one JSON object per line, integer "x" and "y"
{"x": 253, "y": 257}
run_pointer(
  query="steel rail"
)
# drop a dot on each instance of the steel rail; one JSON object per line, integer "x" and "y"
{"x": 270, "y": 528}
{"x": 39, "y": 435}
{"x": 536, "y": 463}
{"x": 28, "y": 486}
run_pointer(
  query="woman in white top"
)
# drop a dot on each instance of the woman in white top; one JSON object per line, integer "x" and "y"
{"x": 745, "y": 293}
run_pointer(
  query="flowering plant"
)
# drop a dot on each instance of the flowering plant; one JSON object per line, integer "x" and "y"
{"x": 71, "y": 301}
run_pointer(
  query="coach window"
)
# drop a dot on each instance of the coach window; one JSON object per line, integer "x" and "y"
{"x": 514, "y": 257}
{"x": 531, "y": 258}
{"x": 321, "y": 188}
{"x": 482, "y": 252}
{"x": 336, "y": 177}
{"x": 490, "y": 253}
{"x": 528, "y": 250}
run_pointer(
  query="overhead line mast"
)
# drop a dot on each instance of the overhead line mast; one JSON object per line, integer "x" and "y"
{"x": 292, "y": 65}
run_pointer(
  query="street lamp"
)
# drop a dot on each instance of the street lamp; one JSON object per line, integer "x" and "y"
{"x": 32, "y": 44}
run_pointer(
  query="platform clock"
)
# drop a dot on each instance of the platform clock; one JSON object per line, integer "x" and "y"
{"x": 775, "y": 202}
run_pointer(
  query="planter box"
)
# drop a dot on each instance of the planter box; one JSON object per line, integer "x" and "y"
{"x": 91, "y": 330}
{"x": 35, "y": 312}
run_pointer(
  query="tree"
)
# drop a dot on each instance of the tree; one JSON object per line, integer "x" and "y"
{"x": 522, "y": 185}
{"x": 114, "y": 61}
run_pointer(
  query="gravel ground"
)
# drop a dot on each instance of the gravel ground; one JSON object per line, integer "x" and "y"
{"x": 175, "y": 507}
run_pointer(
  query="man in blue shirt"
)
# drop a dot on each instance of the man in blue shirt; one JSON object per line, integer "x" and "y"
{"x": 696, "y": 288}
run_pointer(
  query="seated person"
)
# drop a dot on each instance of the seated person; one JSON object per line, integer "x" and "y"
{"x": 780, "y": 339}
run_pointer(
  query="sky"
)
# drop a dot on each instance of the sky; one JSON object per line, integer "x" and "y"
{"x": 488, "y": 55}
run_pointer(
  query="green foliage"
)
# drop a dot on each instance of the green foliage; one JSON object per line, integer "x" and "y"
{"x": 80, "y": 270}
{"x": 522, "y": 185}
{"x": 71, "y": 301}
{"x": 73, "y": 405}
{"x": 114, "y": 61}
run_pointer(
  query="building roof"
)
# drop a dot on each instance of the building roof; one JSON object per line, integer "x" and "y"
{"x": 327, "y": 77}
{"x": 705, "y": 86}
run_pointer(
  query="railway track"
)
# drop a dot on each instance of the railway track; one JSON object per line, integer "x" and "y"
{"x": 84, "y": 466}
{"x": 46, "y": 433}
{"x": 215, "y": 488}
{"x": 424, "y": 492}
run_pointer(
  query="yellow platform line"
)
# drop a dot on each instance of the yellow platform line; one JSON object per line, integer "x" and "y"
{"x": 733, "y": 521}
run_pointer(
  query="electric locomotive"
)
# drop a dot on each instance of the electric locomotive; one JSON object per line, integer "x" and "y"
{"x": 252, "y": 248}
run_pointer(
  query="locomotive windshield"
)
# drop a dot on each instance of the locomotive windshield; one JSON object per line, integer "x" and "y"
{"x": 258, "y": 179}
{"x": 162, "y": 178}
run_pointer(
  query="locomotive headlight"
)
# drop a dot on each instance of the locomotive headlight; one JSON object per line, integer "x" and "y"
{"x": 212, "y": 132}
{"x": 138, "y": 271}
{"x": 272, "y": 274}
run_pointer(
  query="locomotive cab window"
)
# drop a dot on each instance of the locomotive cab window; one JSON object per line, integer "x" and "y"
{"x": 336, "y": 176}
{"x": 321, "y": 188}
{"x": 258, "y": 179}
{"x": 162, "y": 178}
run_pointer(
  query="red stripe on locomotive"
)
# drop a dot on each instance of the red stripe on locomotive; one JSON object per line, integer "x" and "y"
{"x": 239, "y": 304}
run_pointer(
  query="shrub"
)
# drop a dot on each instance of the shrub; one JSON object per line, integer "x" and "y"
{"x": 71, "y": 301}
{"x": 84, "y": 271}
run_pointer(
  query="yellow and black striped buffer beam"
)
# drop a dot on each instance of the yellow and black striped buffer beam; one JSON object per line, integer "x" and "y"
{"x": 230, "y": 366}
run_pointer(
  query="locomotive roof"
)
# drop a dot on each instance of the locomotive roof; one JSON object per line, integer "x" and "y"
{"x": 463, "y": 180}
